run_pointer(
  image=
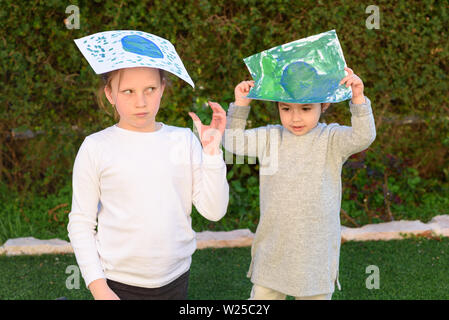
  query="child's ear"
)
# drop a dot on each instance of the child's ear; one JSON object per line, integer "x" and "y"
{"x": 163, "y": 84}
{"x": 108, "y": 93}
{"x": 324, "y": 107}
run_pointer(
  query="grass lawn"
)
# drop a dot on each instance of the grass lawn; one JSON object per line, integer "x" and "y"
{"x": 408, "y": 269}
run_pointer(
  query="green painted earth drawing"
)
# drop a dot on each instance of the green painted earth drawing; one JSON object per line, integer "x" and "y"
{"x": 303, "y": 71}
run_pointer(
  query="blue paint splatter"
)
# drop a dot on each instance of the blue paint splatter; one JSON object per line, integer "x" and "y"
{"x": 298, "y": 78}
{"x": 140, "y": 45}
{"x": 301, "y": 81}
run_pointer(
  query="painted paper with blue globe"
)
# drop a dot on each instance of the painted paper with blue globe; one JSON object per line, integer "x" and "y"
{"x": 111, "y": 50}
{"x": 303, "y": 71}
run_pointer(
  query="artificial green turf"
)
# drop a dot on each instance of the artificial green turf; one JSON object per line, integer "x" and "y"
{"x": 408, "y": 269}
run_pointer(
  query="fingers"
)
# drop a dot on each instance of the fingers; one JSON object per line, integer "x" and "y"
{"x": 248, "y": 84}
{"x": 218, "y": 117}
{"x": 218, "y": 122}
{"x": 218, "y": 114}
{"x": 194, "y": 117}
{"x": 350, "y": 78}
{"x": 349, "y": 83}
{"x": 345, "y": 81}
{"x": 245, "y": 86}
{"x": 216, "y": 107}
{"x": 241, "y": 92}
{"x": 196, "y": 121}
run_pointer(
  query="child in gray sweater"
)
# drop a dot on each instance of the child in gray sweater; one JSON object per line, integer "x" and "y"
{"x": 296, "y": 248}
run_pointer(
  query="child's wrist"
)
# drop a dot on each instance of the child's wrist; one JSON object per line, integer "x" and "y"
{"x": 211, "y": 150}
{"x": 360, "y": 99}
{"x": 99, "y": 288}
{"x": 242, "y": 103}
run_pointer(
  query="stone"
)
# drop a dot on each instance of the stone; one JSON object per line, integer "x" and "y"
{"x": 30, "y": 245}
{"x": 224, "y": 239}
{"x": 440, "y": 225}
{"x": 384, "y": 231}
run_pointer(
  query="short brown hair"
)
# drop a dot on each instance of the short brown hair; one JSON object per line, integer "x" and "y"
{"x": 323, "y": 104}
{"x": 106, "y": 82}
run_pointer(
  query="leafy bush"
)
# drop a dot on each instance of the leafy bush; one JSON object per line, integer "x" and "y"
{"x": 49, "y": 88}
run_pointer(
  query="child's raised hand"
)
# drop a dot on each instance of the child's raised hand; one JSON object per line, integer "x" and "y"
{"x": 241, "y": 91}
{"x": 356, "y": 84}
{"x": 210, "y": 135}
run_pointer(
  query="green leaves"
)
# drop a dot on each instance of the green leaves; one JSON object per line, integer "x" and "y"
{"x": 47, "y": 85}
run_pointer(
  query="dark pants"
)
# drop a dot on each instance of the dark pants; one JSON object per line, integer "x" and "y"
{"x": 175, "y": 290}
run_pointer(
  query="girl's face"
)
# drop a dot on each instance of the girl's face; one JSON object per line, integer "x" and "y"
{"x": 300, "y": 118}
{"x": 136, "y": 94}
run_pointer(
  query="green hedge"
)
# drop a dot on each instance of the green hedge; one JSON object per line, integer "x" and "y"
{"x": 47, "y": 86}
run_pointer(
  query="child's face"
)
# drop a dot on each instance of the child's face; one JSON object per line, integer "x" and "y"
{"x": 299, "y": 118}
{"x": 137, "y": 97}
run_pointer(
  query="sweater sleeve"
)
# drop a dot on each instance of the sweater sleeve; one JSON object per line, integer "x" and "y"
{"x": 210, "y": 187}
{"x": 349, "y": 140}
{"x": 83, "y": 216}
{"x": 239, "y": 141}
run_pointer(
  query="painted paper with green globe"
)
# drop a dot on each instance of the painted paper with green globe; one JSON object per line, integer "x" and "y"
{"x": 303, "y": 71}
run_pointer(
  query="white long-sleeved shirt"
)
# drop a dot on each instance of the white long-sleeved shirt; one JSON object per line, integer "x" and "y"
{"x": 137, "y": 190}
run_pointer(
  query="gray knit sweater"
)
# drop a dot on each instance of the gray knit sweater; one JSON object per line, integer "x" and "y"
{"x": 296, "y": 248}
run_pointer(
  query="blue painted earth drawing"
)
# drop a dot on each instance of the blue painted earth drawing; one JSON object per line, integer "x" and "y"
{"x": 140, "y": 45}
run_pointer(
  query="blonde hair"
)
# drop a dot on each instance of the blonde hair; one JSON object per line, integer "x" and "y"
{"x": 106, "y": 82}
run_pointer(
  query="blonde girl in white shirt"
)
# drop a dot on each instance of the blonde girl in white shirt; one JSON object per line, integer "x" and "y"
{"x": 134, "y": 184}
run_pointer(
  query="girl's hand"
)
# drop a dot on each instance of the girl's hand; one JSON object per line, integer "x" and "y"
{"x": 241, "y": 91}
{"x": 210, "y": 135}
{"x": 101, "y": 291}
{"x": 107, "y": 295}
{"x": 356, "y": 84}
